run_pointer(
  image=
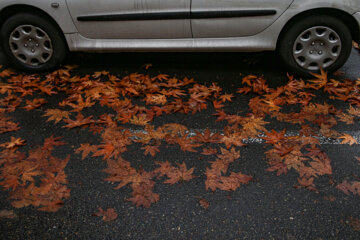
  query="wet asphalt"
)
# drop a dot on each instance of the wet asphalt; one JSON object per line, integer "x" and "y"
{"x": 268, "y": 208}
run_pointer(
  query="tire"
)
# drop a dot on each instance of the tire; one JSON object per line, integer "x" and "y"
{"x": 317, "y": 40}
{"x": 32, "y": 43}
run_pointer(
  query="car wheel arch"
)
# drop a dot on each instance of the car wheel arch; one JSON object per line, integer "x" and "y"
{"x": 22, "y": 8}
{"x": 339, "y": 14}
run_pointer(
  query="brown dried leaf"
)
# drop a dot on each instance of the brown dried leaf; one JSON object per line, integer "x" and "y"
{"x": 7, "y": 214}
{"x": 204, "y": 203}
{"x": 108, "y": 215}
{"x": 56, "y": 115}
{"x": 348, "y": 139}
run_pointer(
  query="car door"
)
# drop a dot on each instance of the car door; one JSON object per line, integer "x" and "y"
{"x": 131, "y": 19}
{"x": 234, "y": 18}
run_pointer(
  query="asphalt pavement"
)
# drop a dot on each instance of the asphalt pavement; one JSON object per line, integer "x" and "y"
{"x": 267, "y": 208}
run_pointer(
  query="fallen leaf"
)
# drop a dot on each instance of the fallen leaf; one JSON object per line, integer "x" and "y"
{"x": 7, "y": 214}
{"x": 354, "y": 223}
{"x": 56, "y": 115}
{"x": 348, "y": 139}
{"x": 108, "y": 215}
{"x": 204, "y": 203}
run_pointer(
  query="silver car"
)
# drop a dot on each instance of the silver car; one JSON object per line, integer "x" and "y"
{"x": 309, "y": 35}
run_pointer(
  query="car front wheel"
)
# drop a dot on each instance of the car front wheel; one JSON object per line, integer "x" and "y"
{"x": 315, "y": 43}
{"x": 32, "y": 43}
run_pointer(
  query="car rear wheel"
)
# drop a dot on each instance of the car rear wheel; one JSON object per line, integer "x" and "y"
{"x": 315, "y": 43}
{"x": 32, "y": 43}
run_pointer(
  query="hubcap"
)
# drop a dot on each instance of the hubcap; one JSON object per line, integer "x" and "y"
{"x": 316, "y": 48}
{"x": 31, "y": 45}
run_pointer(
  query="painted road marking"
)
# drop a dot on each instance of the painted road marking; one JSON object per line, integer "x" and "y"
{"x": 322, "y": 139}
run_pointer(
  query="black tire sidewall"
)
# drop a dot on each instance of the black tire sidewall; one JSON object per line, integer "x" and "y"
{"x": 58, "y": 44}
{"x": 286, "y": 44}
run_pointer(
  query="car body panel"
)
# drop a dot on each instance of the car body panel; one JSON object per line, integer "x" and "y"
{"x": 173, "y": 37}
{"x": 237, "y": 26}
{"x": 60, "y": 15}
{"x": 135, "y": 29}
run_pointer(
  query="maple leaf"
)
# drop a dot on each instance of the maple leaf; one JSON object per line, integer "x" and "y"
{"x": 147, "y": 66}
{"x": 30, "y": 174}
{"x": 294, "y": 85}
{"x": 346, "y": 118}
{"x": 274, "y": 137}
{"x": 280, "y": 167}
{"x": 209, "y": 151}
{"x": 7, "y": 214}
{"x": 14, "y": 142}
{"x": 45, "y": 89}
{"x": 187, "y": 145}
{"x": 144, "y": 198}
{"x": 206, "y": 136}
{"x": 139, "y": 120}
{"x": 71, "y": 67}
{"x": 249, "y": 79}
{"x": 273, "y": 105}
{"x": 152, "y": 150}
{"x": 234, "y": 139}
{"x": 320, "y": 164}
{"x": 234, "y": 181}
{"x": 320, "y": 81}
{"x": 174, "y": 129}
{"x": 215, "y": 89}
{"x": 219, "y": 166}
{"x": 164, "y": 168}
{"x": 326, "y": 131}
{"x": 78, "y": 122}
{"x": 179, "y": 174}
{"x": 108, "y": 215}
{"x": 173, "y": 92}
{"x": 214, "y": 180}
{"x": 244, "y": 90}
{"x": 6, "y": 73}
{"x": 347, "y": 188}
{"x": 354, "y": 223}
{"x": 229, "y": 155}
{"x": 307, "y": 183}
{"x": 107, "y": 150}
{"x": 50, "y": 189}
{"x": 81, "y": 104}
{"x": 56, "y": 115}
{"x": 99, "y": 74}
{"x": 35, "y": 103}
{"x": 51, "y": 142}
{"x": 157, "y": 99}
{"x": 354, "y": 111}
{"x": 161, "y": 77}
{"x": 217, "y": 105}
{"x": 120, "y": 171}
{"x": 226, "y": 97}
{"x": 221, "y": 115}
{"x": 142, "y": 186}
{"x": 204, "y": 203}
{"x": 283, "y": 150}
{"x": 348, "y": 139}
{"x": 254, "y": 124}
{"x": 86, "y": 149}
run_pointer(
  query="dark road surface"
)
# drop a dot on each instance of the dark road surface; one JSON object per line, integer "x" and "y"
{"x": 268, "y": 208}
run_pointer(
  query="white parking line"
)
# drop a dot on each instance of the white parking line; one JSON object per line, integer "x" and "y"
{"x": 322, "y": 139}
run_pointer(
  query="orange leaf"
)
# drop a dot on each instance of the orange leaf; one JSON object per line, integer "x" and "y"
{"x": 204, "y": 203}
{"x": 86, "y": 149}
{"x": 108, "y": 215}
{"x": 56, "y": 115}
{"x": 348, "y": 139}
